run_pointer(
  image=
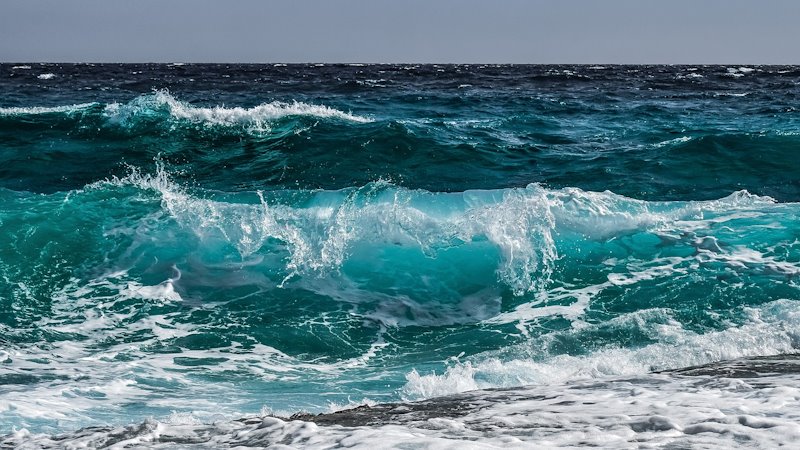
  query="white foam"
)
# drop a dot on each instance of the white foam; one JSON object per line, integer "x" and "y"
{"x": 88, "y": 372}
{"x": 23, "y": 110}
{"x": 21, "y": 68}
{"x": 742, "y": 257}
{"x": 46, "y": 76}
{"x": 679, "y": 140}
{"x": 734, "y": 72}
{"x": 257, "y": 118}
{"x": 653, "y": 411}
{"x": 771, "y": 331}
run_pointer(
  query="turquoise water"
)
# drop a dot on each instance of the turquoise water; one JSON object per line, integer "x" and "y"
{"x": 226, "y": 240}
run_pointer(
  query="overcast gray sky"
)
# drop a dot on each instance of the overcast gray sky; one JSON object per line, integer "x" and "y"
{"x": 518, "y": 31}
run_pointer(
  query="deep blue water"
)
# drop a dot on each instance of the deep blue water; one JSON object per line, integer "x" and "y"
{"x": 222, "y": 239}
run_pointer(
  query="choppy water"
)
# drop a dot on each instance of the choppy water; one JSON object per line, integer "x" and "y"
{"x": 192, "y": 244}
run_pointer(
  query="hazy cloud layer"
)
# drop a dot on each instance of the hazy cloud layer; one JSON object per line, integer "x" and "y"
{"x": 520, "y": 31}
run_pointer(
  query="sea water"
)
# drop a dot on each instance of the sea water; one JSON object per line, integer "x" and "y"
{"x": 192, "y": 254}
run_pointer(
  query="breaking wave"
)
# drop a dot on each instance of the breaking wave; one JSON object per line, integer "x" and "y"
{"x": 161, "y": 107}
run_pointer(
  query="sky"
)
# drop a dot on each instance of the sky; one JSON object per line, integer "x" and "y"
{"x": 374, "y": 31}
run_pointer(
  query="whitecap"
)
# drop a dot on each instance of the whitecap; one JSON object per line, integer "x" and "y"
{"x": 256, "y": 118}
{"x": 23, "y": 110}
{"x": 734, "y": 72}
{"x": 679, "y": 140}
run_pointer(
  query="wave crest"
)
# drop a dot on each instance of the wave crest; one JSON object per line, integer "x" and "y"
{"x": 520, "y": 232}
{"x": 36, "y": 110}
{"x": 162, "y": 109}
{"x": 255, "y": 118}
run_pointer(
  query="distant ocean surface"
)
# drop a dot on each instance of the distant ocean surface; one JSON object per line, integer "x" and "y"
{"x": 191, "y": 254}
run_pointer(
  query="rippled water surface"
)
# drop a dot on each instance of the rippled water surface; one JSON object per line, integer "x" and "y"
{"x": 207, "y": 242}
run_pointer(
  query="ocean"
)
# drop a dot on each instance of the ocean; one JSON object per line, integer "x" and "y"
{"x": 411, "y": 256}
